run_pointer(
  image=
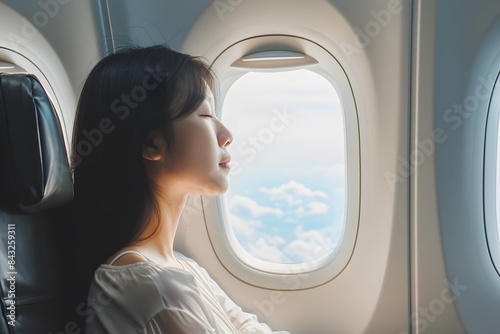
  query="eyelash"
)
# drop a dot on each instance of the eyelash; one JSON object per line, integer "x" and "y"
{"x": 210, "y": 116}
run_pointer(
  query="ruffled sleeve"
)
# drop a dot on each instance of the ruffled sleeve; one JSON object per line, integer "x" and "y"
{"x": 244, "y": 323}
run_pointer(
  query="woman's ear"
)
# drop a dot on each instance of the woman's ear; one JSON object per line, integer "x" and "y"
{"x": 154, "y": 146}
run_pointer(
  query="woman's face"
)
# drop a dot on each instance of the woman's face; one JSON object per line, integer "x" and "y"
{"x": 198, "y": 159}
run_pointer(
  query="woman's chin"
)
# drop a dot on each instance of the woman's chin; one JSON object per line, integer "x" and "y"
{"x": 214, "y": 187}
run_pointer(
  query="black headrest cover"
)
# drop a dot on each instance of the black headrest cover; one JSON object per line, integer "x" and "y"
{"x": 34, "y": 169}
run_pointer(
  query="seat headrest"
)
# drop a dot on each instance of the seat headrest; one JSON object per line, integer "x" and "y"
{"x": 34, "y": 169}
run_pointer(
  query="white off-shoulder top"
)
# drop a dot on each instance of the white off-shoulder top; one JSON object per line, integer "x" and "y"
{"x": 148, "y": 298}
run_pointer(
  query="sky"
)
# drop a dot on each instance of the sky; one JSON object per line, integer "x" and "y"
{"x": 286, "y": 199}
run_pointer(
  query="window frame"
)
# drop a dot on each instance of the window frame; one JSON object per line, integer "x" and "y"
{"x": 492, "y": 225}
{"x": 228, "y": 250}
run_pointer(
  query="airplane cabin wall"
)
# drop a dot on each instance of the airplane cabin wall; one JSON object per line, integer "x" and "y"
{"x": 466, "y": 65}
{"x": 455, "y": 288}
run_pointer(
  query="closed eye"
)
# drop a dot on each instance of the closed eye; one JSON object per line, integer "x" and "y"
{"x": 209, "y": 116}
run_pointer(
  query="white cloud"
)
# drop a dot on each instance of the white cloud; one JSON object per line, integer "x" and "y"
{"x": 267, "y": 249}
{"x": 242, "y": 227}
{"x": 288, "y": 190}
{"x": 317, "y": 208}
{"x": 255, "y": 209}
{"x": 313, "y": 208}
{"x": 309, "y": 245}
{"x": 300, "y": 211}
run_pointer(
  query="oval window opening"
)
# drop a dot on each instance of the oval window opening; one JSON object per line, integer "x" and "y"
{"x": 497, "y": 194}
{"x": 287, "y": 196}
{"x": 491, "y": 180}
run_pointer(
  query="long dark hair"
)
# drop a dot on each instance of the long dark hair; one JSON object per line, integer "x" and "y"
{"x": 126, "y": 96}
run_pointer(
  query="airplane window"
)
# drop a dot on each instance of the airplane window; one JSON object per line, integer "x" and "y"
{"x": 492, "y": 177}
{"x": 286, "y": 200}
{"x": 498, "y": 185}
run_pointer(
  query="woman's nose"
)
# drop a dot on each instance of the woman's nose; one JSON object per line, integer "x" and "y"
{"x": 224, "y": 137}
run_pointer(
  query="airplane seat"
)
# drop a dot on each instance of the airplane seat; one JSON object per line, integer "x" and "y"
{"x": 35, "y": 190}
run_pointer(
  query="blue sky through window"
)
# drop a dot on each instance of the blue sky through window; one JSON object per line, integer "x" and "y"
{"x": 286, "y": 201}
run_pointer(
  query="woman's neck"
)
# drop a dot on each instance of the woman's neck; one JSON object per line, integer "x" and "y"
{"x": 157, "y": 240}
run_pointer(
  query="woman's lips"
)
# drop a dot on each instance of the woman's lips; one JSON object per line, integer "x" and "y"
{"x": 225, "y": 162}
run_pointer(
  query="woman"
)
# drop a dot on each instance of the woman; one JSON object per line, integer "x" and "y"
{"x": 145, "y": 138}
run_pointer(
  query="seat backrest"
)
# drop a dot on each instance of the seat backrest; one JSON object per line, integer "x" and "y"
{"x": 35, "y": 186}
